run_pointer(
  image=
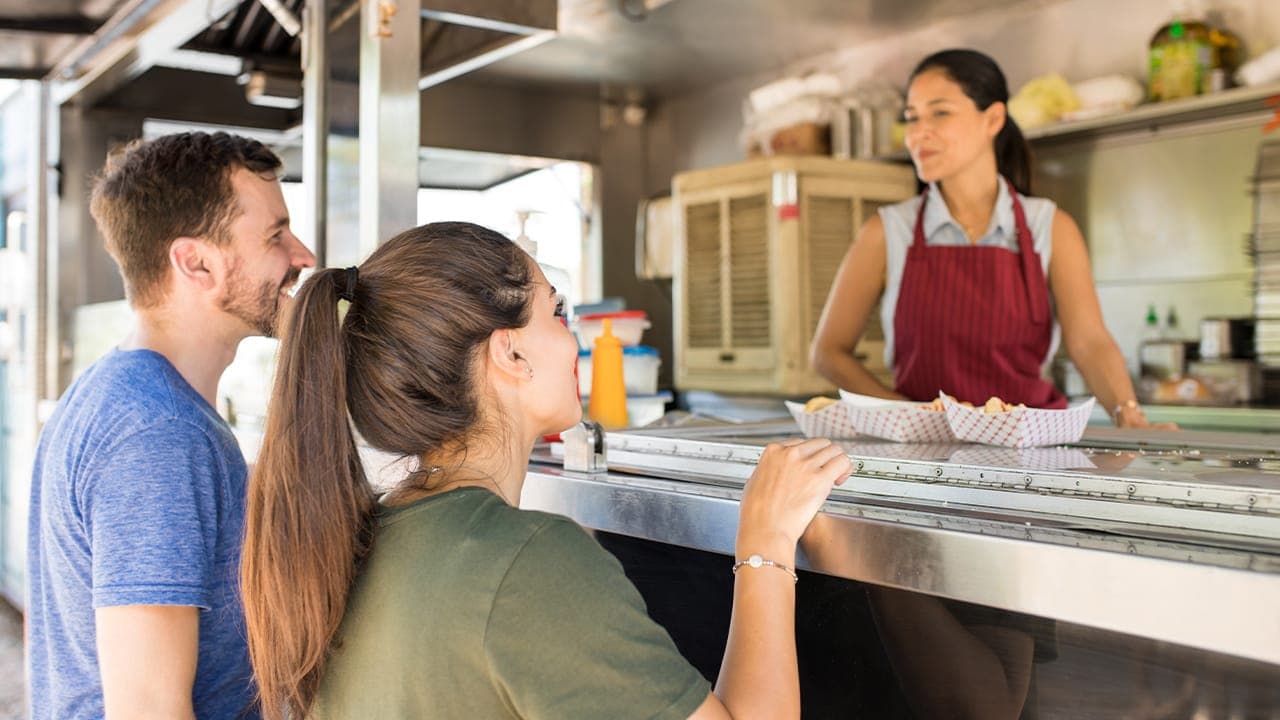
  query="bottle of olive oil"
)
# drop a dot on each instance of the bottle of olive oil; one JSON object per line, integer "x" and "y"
{"x": 1180, "y": 58}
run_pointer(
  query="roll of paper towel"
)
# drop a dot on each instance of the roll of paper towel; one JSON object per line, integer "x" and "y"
{"x": 1261, "y": 70}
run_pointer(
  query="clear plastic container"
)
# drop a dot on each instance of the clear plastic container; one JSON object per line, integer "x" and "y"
{"x": 640, "y": 365}
{"x": 645, "y": 409}
{"x": 628, "y": 326}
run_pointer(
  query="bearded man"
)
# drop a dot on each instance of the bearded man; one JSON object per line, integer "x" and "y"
{"x": 137, "y": 499}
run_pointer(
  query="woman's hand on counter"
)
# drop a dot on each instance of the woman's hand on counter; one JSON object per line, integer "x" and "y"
{"x": 789, "y": 484}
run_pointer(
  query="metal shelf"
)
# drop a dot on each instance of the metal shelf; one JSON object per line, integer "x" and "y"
{"x": 1152, "y": 116}
{"x": 1234, "y": 103}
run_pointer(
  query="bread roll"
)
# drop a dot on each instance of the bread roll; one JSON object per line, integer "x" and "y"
{"x": 818, "y": 403}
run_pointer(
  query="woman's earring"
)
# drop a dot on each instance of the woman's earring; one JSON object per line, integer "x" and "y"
{"x": 527, "y": 366}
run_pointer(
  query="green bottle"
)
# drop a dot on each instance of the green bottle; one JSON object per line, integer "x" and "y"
{"x": 1152, "y": 329}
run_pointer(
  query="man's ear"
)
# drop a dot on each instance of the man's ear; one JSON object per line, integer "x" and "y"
{"x": 194, "y": 262}
{"x": 504, "y": 355}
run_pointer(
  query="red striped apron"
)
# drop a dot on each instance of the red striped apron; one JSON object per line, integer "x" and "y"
{"x": 974, "y": 321}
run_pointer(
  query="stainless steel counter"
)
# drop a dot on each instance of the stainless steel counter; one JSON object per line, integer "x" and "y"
{"x": 1170, "y": 543}
{"x": 1234, "y": 419}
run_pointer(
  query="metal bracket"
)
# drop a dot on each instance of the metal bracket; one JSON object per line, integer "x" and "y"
{"x": 584, "y": 448}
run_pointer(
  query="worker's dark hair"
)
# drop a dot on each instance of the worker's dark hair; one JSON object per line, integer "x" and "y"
{"x": 982, "y": 81}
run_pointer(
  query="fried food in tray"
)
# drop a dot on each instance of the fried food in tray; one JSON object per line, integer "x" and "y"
{"x": 992, "y": 406}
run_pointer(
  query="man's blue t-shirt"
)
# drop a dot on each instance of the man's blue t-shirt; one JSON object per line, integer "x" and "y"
{"x": 137, "y": 499}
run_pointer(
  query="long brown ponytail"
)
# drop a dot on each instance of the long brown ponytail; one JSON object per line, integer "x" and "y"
{"x": 401, "y": 364}
{"x": 309, "y": 507}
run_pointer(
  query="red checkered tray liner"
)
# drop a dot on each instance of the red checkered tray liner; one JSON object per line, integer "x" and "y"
{"x": 889, "y": 450}
{"x": 830, "y": 422}
{"x": 896, "y": 420}
{"x": 1021, "y": 427}
{"x": 1038, "y": 458}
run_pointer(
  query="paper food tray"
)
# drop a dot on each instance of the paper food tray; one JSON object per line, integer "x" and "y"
{"x": 1021, "y": 427}
{"x": 896, "y": 420}
{"x": 1036, "y": 458}
{"x": 830, "y": 422}
{"x": 889, "y": 450}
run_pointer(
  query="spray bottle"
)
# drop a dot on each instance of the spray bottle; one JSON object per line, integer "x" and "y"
{"x": 558, "y": 277}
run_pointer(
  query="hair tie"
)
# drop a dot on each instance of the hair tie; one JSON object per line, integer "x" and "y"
{"x": 349, "y": 292}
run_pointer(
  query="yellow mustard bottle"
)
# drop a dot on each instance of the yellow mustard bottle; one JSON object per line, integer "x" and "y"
{"x": 608, "y": 404}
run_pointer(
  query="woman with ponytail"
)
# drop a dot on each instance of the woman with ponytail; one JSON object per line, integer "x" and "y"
{"x": 976, "y": 280}
{"x": 440, "y": 598}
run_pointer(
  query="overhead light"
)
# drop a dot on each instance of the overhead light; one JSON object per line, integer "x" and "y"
{"x": 200, "y": 61}
{"x": 271, "y": 90}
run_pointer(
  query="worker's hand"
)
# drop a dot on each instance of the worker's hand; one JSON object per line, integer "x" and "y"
{"x": 788, "y": 486}
{"x": 1139, "y": 421}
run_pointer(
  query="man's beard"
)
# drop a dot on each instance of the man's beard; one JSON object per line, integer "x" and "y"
{"x": 259, "y": 307}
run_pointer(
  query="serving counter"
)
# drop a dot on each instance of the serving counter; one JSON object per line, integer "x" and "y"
{"x": 1143, "y": 568}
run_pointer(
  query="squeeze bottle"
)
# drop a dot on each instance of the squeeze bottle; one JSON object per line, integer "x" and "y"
{"x": 608, "y": 404}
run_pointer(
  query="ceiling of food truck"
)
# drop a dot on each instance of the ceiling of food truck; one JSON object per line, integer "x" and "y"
{"x": 660, "y": 46}
{"x": 35, "y": 35}
{"x": 676, "y": 45}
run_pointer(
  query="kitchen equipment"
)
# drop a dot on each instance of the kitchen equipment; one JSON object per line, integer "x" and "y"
{"x": 1226, "y": 338}
{"x": 759, "y": 244}
{"x": 655, "y": 238}
{"x": 862, "y": 123}
{"x": 1230, "y": 381}
{"x": 1163, "y": 359}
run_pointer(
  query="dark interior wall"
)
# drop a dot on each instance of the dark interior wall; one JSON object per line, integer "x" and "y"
{"x": 86, "y": 273}
{"x": 511, "y": 120}
{"x": 635, "y": 164}
{"x": 624, "y": 182}
{"x": 181, "y": 95}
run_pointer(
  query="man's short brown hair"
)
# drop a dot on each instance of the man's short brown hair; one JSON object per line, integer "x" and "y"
{"x": 155, "y": 191}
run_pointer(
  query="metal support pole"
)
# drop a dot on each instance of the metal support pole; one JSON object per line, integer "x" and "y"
{"x": 390, "y": 61}
{"x": 283, "y": 16}
{"x": 315, "y": 123}
{"x": 48, "y": 348}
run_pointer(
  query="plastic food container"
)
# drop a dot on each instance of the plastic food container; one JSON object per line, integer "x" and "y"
{"x": 628, "y": 327}
{"x": 640, "y": 365}
{"x": 643, "y": 409}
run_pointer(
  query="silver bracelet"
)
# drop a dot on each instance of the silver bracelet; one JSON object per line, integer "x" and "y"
{"x": 1130, "y": 404}
{"x": 755, "y": 561}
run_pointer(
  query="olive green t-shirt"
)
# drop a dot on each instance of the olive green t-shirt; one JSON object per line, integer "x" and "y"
{"x": 471, "y": 609}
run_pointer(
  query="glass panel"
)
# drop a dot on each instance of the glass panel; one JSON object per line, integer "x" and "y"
{"x": 554, "y": 203}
